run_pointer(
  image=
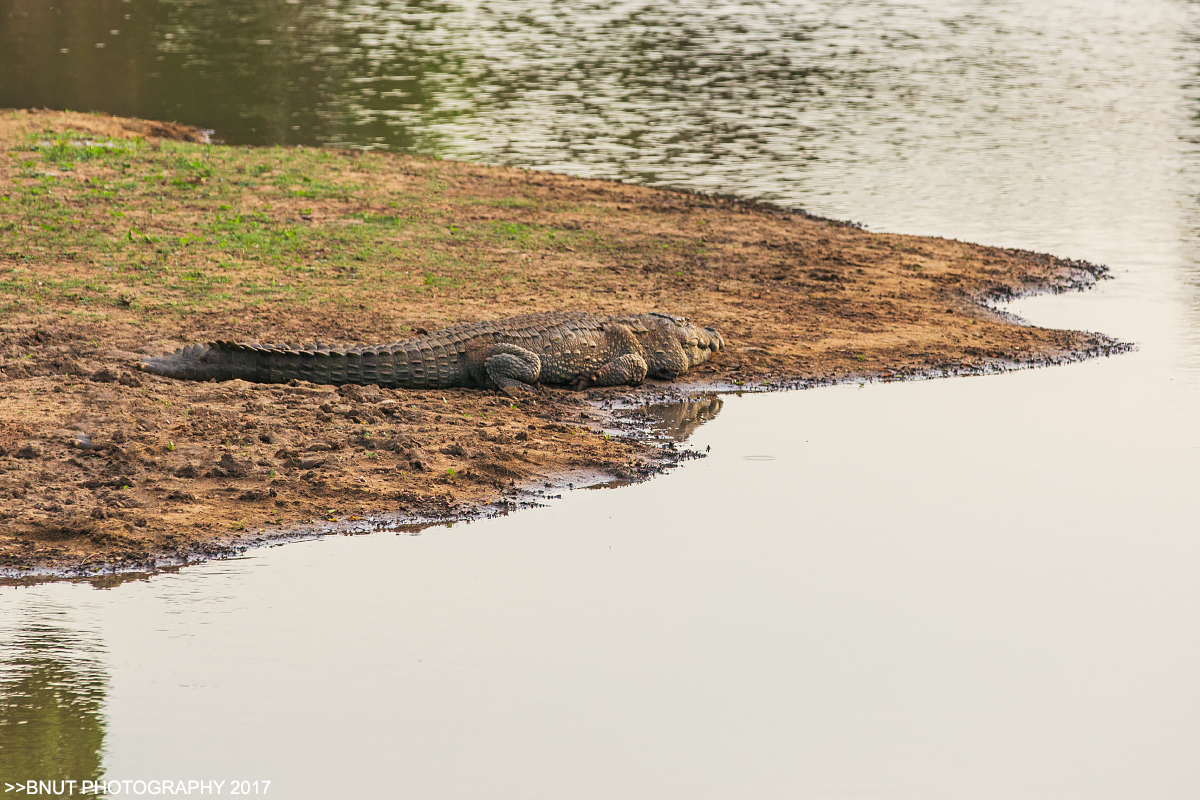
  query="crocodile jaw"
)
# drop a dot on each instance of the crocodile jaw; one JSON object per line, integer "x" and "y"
{"x": 699, "y": 344}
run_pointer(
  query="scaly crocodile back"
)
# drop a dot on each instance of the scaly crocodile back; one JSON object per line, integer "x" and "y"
{"x": 437, "y": 360}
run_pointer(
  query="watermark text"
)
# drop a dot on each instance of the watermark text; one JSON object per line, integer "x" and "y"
{"x": 114, "y": 788}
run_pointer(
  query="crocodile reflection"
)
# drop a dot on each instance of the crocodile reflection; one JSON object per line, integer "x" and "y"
{"x": 52, "y": 689}
{"x": 677, "y": 421}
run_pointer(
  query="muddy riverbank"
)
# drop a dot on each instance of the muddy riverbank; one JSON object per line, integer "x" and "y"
{"x": 120, "y": 238}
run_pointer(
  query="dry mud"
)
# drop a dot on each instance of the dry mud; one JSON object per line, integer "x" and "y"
{"x": 105, "y": 258}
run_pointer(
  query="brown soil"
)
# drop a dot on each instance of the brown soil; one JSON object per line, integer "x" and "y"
{"x": 101, "y": 465}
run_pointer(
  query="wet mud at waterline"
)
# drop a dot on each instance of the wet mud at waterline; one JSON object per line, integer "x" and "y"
{"x": 124, "y": 239}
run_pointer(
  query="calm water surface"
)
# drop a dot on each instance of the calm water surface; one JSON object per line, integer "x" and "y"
{"x": 975, "y": 588}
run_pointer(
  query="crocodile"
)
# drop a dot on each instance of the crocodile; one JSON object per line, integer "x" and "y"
{"x": 511, "y": 355}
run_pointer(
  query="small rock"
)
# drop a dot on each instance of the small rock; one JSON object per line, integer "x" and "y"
{"x": 129, "y": 379}
{"x": 455, "y": 449}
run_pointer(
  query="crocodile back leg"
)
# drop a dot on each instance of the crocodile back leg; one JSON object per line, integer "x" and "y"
{"x": 512, "y": 368}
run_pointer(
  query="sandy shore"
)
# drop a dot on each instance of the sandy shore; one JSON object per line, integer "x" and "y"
{"x": 120, "y": 238}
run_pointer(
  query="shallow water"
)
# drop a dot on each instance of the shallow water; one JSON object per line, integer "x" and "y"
{"x": 977, "y": 588}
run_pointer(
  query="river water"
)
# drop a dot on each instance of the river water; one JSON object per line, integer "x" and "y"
{"x": 967, "y": 588}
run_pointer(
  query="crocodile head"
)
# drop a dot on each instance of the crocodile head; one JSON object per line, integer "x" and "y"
{"x": 697, "y": 343}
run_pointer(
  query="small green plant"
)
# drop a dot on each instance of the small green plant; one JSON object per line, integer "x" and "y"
{"x": 170, "y": 447}
{"x": 450, "y": 472}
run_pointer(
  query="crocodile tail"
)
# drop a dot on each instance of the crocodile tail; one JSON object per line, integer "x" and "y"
{"x": 398, "y": 365}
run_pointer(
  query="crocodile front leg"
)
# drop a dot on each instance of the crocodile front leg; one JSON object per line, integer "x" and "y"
{"x": 627, "y": 369}
{"x": 626, "y": 365}
{"x": 511, "y": 368}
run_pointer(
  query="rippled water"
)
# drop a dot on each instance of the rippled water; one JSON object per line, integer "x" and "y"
{"x": 795, "y": 102}
{"x": 977, "y": 588}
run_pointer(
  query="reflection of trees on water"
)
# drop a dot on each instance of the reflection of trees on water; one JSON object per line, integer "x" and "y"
{"x": 741, "y": 97}
{"x": 257, "y": 72}
{"x": 656, "y": 92}
{"x": 738, "y": 97}
{"x": 677, "y": 421}
{"x": 52, "y": 689}
{"x": 865, "y": 107}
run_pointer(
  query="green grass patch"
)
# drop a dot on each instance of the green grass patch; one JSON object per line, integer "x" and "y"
{"x": 183, "y": 226}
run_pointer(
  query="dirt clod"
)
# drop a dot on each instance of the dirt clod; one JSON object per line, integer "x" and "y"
{"x": 188, "y": 470}
{"x": 230, "y": 467}
{"x": 106, "y": 375}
